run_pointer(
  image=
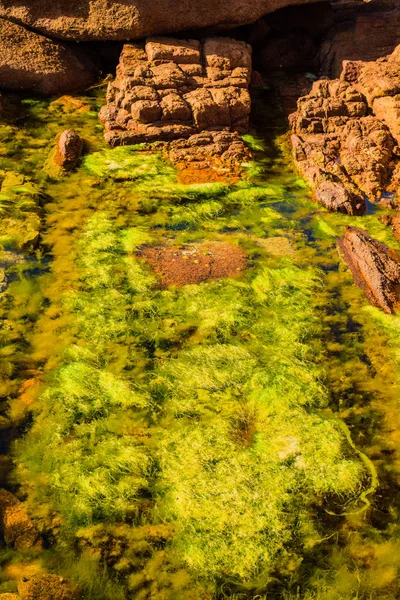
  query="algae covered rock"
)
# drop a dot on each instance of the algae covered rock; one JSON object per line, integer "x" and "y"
{"x": 20, "y": 206}
{"x": 45, "y": 586}
{"x": 16, "y": 526}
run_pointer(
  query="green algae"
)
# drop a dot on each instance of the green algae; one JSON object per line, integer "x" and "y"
{"x": 182, "y": 443}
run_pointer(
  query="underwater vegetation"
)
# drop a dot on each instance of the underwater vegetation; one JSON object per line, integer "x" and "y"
{"x": 227, "y": 439}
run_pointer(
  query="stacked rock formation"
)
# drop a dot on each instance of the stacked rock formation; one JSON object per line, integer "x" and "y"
{"x": 172, "y": 89}
{"x": 346, "y": 134}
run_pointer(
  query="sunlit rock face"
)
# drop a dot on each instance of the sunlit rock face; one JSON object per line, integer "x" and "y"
{"x": 33, "y": 63}
{"x": 134, "y": 19}
{"x": 374, "y": 266}
{"x": 170, "y": 89}
{"x": 346, "y": 134}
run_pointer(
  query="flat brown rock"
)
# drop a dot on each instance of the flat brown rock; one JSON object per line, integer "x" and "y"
{"x": 374, "y": 266}
{"x": 34, "y": 63}
{"x": 194, "y": 263}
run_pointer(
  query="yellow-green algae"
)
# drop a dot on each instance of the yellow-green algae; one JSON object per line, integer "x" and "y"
{"x": 181, "y": 443}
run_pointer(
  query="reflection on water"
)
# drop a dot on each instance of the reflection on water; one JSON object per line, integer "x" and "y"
{"x": 233, "y": 439}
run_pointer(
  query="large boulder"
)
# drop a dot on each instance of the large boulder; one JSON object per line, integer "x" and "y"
{"x": 33, "y": 63}
{"x": 134, "y": 19}
{"x": 17, "y": 528}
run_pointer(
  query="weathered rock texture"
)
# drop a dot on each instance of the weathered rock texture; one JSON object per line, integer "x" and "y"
{"x": 346, "y": 134}
{"x": 375, "y": 268}
{"x": 194, "y": 263}
{"x": 207, "y": 156}
{"x": 15, "y": 525}
{"x": 34, "y": 63}
{"x": 133, "y": 19}
{"x": 172, "y": 89}
{"x": 45, "y": 587}
{"x": 362, "y": 32}
{"x": 68, "y": 149}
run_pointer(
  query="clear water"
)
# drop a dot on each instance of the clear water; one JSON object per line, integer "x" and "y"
{"x": 234, "y": 439}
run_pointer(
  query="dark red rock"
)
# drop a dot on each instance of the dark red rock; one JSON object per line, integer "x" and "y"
{"x": 374, "y": 266}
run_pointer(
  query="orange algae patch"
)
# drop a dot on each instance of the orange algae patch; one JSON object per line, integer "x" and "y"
{"x": 192, "y": 173}
{"x": 194, "y": 263}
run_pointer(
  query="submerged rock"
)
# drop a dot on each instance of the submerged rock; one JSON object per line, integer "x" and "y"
{"x": 194, "y": 263}
{"x": 34, "y": 63}
{"x": 374, "y": 266}
{"x": 16, "y": 526}
{"x": 208, "y": 156}
{"x": 134, "y": 19}
{"x": 45, "y": 586}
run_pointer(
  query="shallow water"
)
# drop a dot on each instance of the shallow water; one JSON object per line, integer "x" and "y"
{"x": 220, "y": 440}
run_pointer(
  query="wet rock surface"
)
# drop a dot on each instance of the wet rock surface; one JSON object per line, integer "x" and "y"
{"x": 346, "y": 134}
{"x": 194, "y": 263}
{"x": 15, "y": 524}
{"x": 170, "y": 89}
{"x": 374, "y": 266}
{"x": 34, "y": 63}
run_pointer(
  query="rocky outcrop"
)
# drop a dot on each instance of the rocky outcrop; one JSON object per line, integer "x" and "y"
{"x": 68, "y": 149}
{"x": 171, "y": 89}
{"x": 45, "y": 586}
{"x": 374, "y": 266}
{"x": 34, "y": 63}
{"x": 346, "y": 134}
{"x": 16, "y": 526}
{"x": 363, "y": 31}
{"x": 133, "y": 19}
